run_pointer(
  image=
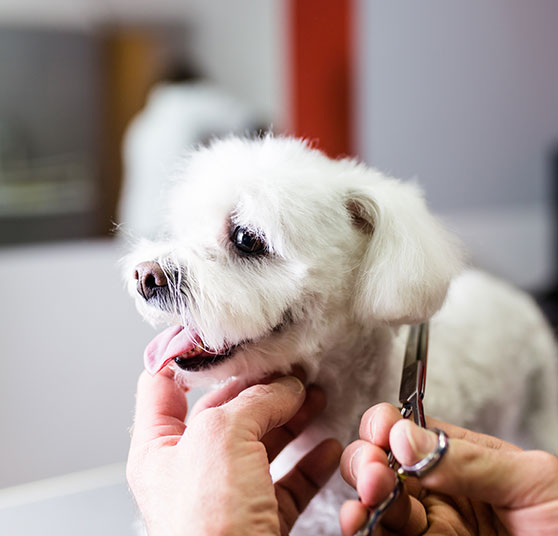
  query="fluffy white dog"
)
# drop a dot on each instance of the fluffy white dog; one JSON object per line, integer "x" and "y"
{"x": 277, "y": 255}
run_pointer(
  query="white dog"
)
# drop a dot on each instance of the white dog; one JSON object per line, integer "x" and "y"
{"x": 277, "y": 255}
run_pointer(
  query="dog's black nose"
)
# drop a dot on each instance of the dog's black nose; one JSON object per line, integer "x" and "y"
{"x": 150, "y": 278}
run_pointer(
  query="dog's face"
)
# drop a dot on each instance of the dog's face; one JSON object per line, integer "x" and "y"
{"x": 273, "y": 250}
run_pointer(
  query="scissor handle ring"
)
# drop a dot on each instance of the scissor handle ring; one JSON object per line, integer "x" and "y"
{"x": 429, "y": 462}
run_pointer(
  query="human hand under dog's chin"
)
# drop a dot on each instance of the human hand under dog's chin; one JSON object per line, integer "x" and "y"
{"x": 483, "y": 485}
{"x": 211, "y": 476}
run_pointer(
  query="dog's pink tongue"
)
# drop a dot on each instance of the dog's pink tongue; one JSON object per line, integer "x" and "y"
{"x": 169, "y": 344}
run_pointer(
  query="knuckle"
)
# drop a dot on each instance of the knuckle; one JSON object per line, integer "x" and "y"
{"x": 482, "y": 440}
{"x": 214, "y": 414}
{"x": 210, "y": 420}
{"x": 257, "y": 391}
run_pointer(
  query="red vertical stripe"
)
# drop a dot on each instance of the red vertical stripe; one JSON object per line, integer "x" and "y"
{"x": 321, "y": 57}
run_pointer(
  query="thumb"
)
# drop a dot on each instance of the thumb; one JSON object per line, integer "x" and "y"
{"x": 161, "y": 408}
{"x": 261, "y": 408}
{"x": 501, "y": 477}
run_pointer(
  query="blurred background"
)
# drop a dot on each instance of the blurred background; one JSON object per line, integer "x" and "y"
{"x": 98, "y": 98}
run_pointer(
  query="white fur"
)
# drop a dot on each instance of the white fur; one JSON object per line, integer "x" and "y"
{"x": 353, "y": 256}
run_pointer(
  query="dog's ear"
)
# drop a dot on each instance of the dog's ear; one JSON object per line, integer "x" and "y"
{"x": 409, "y": 259}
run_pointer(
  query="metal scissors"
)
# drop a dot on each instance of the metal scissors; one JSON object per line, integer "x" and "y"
{"x": 411, "y": 393}
{"x": 413, "y": 379}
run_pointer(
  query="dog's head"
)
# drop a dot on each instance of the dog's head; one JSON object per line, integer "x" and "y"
{"x": 273, "y": 252}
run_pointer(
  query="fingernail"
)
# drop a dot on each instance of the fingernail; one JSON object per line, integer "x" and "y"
{"x": 298, "y": 372}
{"x": 353, "y": 463}
{"x": 421, "y": 441}
{"x": 292, "y": 383}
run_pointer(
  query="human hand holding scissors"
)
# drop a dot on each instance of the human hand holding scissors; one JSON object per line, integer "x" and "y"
{"x": 411, "y": 394}
{"x": 481, "y": 486}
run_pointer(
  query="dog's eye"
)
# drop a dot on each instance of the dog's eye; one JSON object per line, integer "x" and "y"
{"x": 248, "y": 241}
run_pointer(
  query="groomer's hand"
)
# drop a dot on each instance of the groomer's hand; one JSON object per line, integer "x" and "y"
{"x": 481, "y": 486}
{"x": 212, "y": 476}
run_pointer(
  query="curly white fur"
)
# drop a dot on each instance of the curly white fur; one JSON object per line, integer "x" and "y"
{"x": 352, "y": 257}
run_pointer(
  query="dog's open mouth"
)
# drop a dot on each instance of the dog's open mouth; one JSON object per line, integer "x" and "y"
{"x": 185, "y": 348}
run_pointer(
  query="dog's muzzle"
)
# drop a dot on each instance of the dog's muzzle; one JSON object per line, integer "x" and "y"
{"x": 151, "y": 280}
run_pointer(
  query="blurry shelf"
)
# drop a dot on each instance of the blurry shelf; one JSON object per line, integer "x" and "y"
{"x": 46, "y": 187}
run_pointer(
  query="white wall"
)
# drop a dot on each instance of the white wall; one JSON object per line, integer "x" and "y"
{"x": 243, "y": 46}
{"x": 71, "y": 354}
{"x": 463, "y": 96}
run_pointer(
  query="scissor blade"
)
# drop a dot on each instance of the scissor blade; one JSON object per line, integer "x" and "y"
{"x": 411, "y": 349}
{"x": 414, "y": 367}
{"x": 408, "y": 387}
{"x": 409, "y": 376}
{"x": 422, "y": 355}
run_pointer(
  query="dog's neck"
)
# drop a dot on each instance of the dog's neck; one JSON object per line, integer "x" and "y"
{"x": 361, "y": 370}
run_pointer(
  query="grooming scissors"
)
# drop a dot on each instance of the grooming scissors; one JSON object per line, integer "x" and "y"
{"x": 413, "y": 379}
{"x": 411, "y": 393}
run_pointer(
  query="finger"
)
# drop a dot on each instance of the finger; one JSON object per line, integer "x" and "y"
{"x": 220, "y": 396}
{"x": 233, "y": 388}
{"x": 296, "y": 489}
{"x": 455, "y": 432}
{"x": 406, "y": 517}
{"x": 499, "y": 476}
{"x": 161, "y": 408}
{"x": 263, "y": 407}
{"x": 277, "y": 439}
{"x": 352, "y": 516}
{"x": 365, "y": 467}
{"x": 356, "y": 455}
{"x": 375, "y": 482}
{"x": 377, "y": 422}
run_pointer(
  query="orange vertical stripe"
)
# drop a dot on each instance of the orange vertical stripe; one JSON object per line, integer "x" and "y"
{"x": 321, "y": 58}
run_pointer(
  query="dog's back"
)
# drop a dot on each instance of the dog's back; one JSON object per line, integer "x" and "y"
{"x": 493, "y": 364}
